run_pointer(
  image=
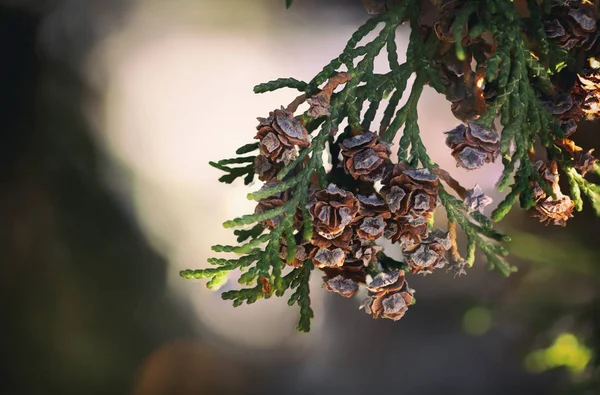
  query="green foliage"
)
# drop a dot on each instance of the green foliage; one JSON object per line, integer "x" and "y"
{"x": 521, "y": 78}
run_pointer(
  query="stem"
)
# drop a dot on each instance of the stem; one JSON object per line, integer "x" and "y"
{"x": 452, "y": 183}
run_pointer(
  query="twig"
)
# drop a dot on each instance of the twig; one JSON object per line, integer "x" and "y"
{"x": 452, "y": 183}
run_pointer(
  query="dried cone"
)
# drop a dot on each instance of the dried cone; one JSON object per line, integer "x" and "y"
{"x": 340, "y": 285}
{"x": 476, "y": 200}
{"x": 304, "y": 251}
{"x": 573, "y": 25}
{"x": 548, "y": 209}
{"x": 473, "y": 145}
{"x": 408, "y": 230}
{"x": 352, "y": 269}
{"x": 588, "y": 93}
{"x": 270, "y": 203}
{"x": 371, "y": 228}
{"x": 332, "y": 211}
{"x": 584, "y": 161}
{"x": 319, "y": 105}
{"x": 566, "y": 109}
{"x": 462, "y": 87}
{"x": 372, "y": 206}
{"x": 411, "y": 196}
{"x": 344, "y": 279}
{"x": 266, "y": 170}
{"x": 365, "y": 156}
{"x": 278, "y": 136}
{"x": 364, "y": 252}
{"x": 373, "y": 212}
{"x": 429, "y": 254}
{"x": 329, "y": 258}
{"x": 389, "y": 296}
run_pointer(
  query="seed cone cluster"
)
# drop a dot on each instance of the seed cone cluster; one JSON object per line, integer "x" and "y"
{"x": 463, "y": 86}
{"x": 347, "y": 224}
{"x": 573, "y": 26}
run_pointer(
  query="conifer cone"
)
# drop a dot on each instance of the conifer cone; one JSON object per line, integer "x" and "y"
{"x": 389, "y": 296}
{"x": 584, "y": 161}
{"x": 278, "y": 136}
{"x": 372, "y": 215}
{"x": 353, "y": 270}
{"x": 372, "y": 206}
{"x": 429, "y": 254}
{"x": 265, "y": 169}
{"x": 411, "y": 196}
{"x": 333, "y": 210}
{"x": 548, "y": 209}
{"x": 476, "y": 200}
{"x": 304, "y": 251}
{"x": 573, "y": 24}
{"x": 473, "y": 145}
{"x": 462, "y": 87}
{"x": 566, "y": 109}
{"x": 340, "y": 285}
{"x": 365, "y": 156}
{"x": 329, "y": 258}
{"x": 588, "y": 93}
{"x": 270, "y": 203}
{"x": 363, "y": 251}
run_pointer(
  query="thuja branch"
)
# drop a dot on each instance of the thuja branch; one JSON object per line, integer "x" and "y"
{"x": 514, "y": 80}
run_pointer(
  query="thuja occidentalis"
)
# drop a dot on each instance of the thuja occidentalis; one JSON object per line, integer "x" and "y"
{"x": 517, "y": 75}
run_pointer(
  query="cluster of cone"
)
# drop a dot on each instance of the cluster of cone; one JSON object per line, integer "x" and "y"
{"x": 347, "y": 224}
{"x": 572, "y": 26}
{"x": 575, "y": 27}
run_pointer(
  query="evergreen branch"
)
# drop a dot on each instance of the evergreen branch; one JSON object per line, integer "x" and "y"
{"x": 244, "y": 149}
{"x": 515, "y": 69}
{"x": 267, "y": 191}
{"x": 239, "y": 263}
{"x": 253, "y": 218}
{"x": 301, "y": 296}
{"x": 248, "y": 295}
{"x": 280, "y": 83}
{"x": 224, "y": 162}
{"x": 243, "y": 235}
{"x": 592, "y": 191}
{"x": 244, "y": 248}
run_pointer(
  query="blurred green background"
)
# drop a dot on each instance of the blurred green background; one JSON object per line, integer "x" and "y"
{"x": 110, "y": 113}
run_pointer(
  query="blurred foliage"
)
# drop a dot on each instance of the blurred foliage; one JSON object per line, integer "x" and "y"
{"x": 566, "y": 351}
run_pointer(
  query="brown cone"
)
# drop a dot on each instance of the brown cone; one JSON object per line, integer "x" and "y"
{"x": 332, "y": 210}
{"x": 411, "y": 196}
{"x": 429, "y": 254}
{"x": 389, "y": 296}
{"x": 473, "y": 145}
{"x": 573, "y": 25}
{"x": 278, "y": 136}
{"x": 365, "y": 156}
{"x": 551, "y": 210}
{"x": 270, "y": 203}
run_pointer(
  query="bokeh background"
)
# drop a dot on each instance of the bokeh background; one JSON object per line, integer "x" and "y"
{"x": 111, "y": 110}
